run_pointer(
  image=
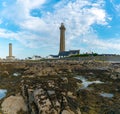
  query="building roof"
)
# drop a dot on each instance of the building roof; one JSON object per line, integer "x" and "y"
{"x": 54, "y": 56}
{"x": 68, "y": 53}
{"x": 64, "y": 53}
{"x": 37, "y": 56}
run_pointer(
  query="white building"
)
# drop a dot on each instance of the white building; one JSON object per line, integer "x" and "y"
{"x": 35, "y": 57}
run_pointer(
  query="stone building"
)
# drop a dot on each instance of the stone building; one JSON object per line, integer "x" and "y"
{"x": 62, "y": 37}
{"x": 62, "y": 52}
{"x": 10, "y": 57}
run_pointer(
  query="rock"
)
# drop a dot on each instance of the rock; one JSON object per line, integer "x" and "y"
{"x": 49, "y": 88}
{"x": 67, "y": 112}
{"x": 79, "y": 84}
{"x": 70, "y": 94}
{"x": 53, "y": 73}
{"x": 48, "y": 97}
{"x": 117, "y": 70}
{"x": 51, "y": 83}
{"x": 65, "y": 80}
{"x": 39, "y": 74}
{"x": 78, "y": 111}
{"x": 5, "y": 73}
{"x": 13, "y": 104}
{"x": 115, "y": 76}
{"x": 69, "y": 71}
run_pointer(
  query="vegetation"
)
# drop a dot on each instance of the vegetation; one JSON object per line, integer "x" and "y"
{"x": 84, "y": 55}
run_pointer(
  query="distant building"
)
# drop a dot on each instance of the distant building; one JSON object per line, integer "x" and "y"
{"x": 68, "y": 53}
{"x": 28, "y": 58}
{"x": 52, "y": 57}
{"x": 62, "y": 52}
{"x": 35, "y": 57}
{"x": 62, "y": 38}
{"x": 10, "y": 57}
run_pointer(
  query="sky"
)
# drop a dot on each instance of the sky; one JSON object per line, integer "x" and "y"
{"x": 32, "y": 26}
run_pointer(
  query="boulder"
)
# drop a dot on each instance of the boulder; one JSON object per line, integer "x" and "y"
{"x": 13, "y": 104}
{"x": 5, "y": 73}
{"x": 67, "y": 112}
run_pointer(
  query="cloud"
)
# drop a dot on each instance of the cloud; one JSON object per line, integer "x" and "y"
{"x": 31, "y": 4}
{"x": 116, "y": 6}
{"x": 4, "y": 4}
{"x": 78, "y": 16}
{"x": 1, "y": 21}
{"x": 27, "y": 38}
{"x": 98, "y": 45}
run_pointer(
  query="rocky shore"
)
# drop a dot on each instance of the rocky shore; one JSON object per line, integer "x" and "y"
{"x": 60, "y": 87}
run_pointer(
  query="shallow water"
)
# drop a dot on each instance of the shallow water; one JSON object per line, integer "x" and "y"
{"x": 86, "y": 83}
{"x": 2, "y": 93}
{"x": 51, "y": 92}
{"x": 16, "y": 74}
{"x": 108, "y": 95}
{"x": 114, "y": 61}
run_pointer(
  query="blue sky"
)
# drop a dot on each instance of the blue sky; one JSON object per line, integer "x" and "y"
{"x": 32, "y": 26}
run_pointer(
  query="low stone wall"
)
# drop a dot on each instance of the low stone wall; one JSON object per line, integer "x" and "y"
{"x": 97, "y": 58}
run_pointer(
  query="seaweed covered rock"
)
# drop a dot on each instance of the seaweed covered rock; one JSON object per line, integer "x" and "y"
{"x": 13, "y": 104}
{"x": 50, "y": 97}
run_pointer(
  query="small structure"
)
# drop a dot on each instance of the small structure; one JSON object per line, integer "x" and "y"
{"x": 68, "y": 53}
{"x": 10, "y": 57}
{"x": 52, "y": 57}
{"x": 35, "y": 57}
